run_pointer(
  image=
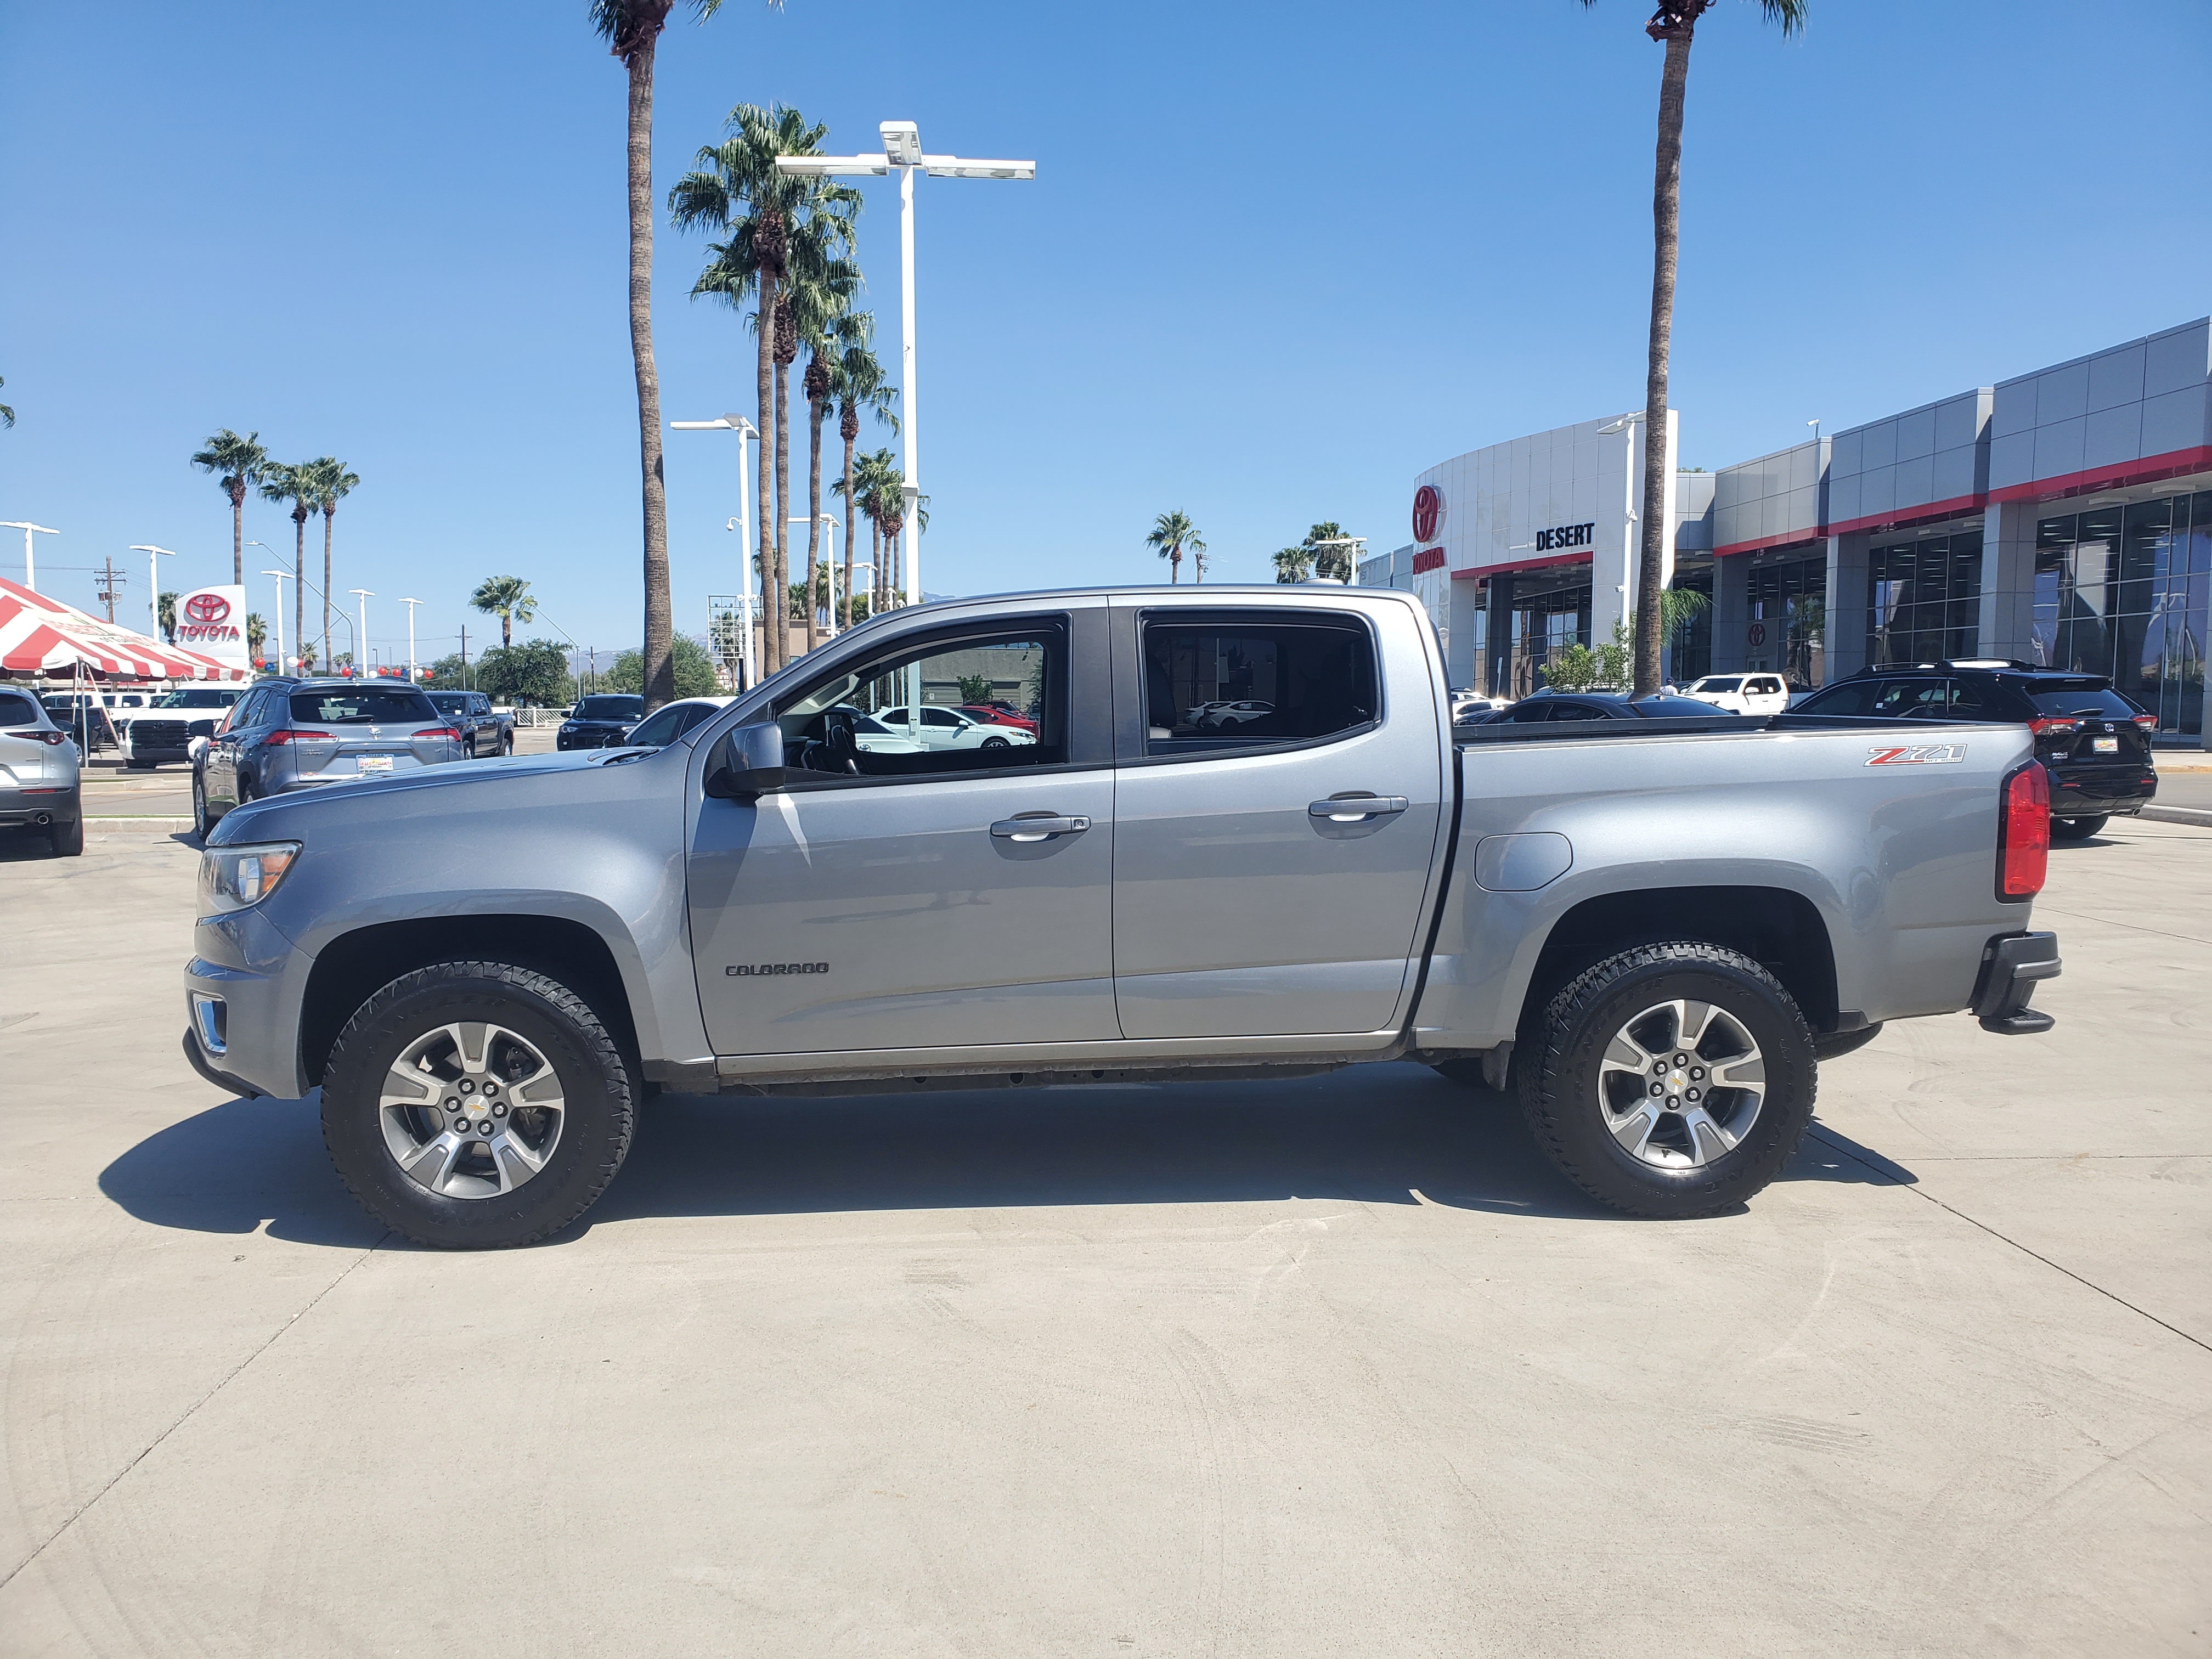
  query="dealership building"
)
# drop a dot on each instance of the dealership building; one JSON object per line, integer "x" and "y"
{"x": 2062, "y": 517}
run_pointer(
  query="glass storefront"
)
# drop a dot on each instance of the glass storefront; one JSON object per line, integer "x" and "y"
{"x": 1690, "y": 647}
{"x": 1924, "y": 599}
{"x": 1789, "y": 600}
{"x": 2122, "y": 591}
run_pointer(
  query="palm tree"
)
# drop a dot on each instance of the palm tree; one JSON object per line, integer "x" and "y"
{"x": 167, "y": 617}
{"x": 257, "y": 634}
{"x": 632, "y": 31}
{"x": 1171, "y": 533}
{"x": 1673, "y": 24}
{"x": 507, "y": 598}
{"x": 7, "y": 415}
{"x": 871, "y": 485}
{"x": 332, "y": 483}
{"x": 817, "y": 296}
{"x": 295, "y": 484}
{"x": 856, "y": 382}
{"x": 241, "y": 463}
{"x": 1329, "y": 559}
{"x": 1293, "y": 564}
{"x": 736, "y": 188}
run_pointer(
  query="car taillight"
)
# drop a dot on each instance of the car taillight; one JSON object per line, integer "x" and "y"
{"x": 2053, "y": 725}
{"x": 2024, "y": 833}
{"x": 2146, "y": 722}
{"x": 439, "y": 731}
{"x": 52, "y": 739}
{"x": 286, "y": 736}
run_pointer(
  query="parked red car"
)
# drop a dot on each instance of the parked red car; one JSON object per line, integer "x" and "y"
{"x": 999, "y": 714}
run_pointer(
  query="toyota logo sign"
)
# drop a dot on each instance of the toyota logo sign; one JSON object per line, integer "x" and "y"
{"x": 1428, "y": 508}
{"x": 207, "y": 609}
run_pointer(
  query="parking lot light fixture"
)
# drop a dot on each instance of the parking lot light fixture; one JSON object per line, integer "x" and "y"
{"x": 360, "y": 645}
{"x": 29, "y": 530}
{"x": 154, "y": 555}
{"x": 282, "y": 576}
{"x": 902, "y": 149}
{"x": 410, "y": 605}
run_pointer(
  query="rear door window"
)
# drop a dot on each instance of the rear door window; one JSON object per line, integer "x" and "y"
{"x": 1912, "y": 698}
{"x": 16, "y": 709}
{"x": 1247, "y": 681}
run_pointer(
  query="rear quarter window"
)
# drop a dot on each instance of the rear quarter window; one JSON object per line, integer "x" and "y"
{"x": 16, "y": 709}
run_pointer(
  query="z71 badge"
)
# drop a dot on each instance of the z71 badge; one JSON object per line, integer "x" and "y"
{"x": 1920, "y": 754}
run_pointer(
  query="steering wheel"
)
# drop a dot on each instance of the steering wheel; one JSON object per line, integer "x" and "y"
{"x": 838, "y": 747}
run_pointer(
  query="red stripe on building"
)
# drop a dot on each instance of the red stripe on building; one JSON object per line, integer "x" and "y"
{"x": 2149, "y": 469}
{"x": 1479, "y": 572}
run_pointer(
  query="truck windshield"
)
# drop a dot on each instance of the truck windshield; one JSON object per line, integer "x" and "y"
{"x": 360, "y": 707}
{"x": 197, "y": 700}
{"x": 1718, "y": 685}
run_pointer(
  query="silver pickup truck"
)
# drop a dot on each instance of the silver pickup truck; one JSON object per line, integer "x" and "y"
{"x": 1651, "y": 930}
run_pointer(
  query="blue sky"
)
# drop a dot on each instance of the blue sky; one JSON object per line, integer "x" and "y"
{"x": 1277, "y": 260}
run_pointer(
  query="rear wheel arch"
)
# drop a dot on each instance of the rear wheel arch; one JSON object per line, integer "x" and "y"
{"x": 351, "y": 968}
{"x": 1781, "y": 930}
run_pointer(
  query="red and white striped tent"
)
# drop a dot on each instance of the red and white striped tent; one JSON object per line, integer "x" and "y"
{"x": 38, "y": 635}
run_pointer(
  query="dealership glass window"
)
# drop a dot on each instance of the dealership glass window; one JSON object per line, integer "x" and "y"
{"x": 1791, "y": 598}
{"x": 1210, "y": 686}
{"x": 1690, "y": 648}
{"x": 2121, "y": 590}
{"x": 1923, "y": 600}
{"x": 1543, "y": 624}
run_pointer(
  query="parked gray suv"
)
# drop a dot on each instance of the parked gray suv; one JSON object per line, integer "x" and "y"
{"x": 38, "y": 773}
{"x": 297, "y": 734}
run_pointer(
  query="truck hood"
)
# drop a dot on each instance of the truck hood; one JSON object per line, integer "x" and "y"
{"x": 293, "y": 816}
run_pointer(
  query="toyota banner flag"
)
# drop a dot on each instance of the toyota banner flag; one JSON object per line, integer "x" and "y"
{"x": 212, "y": 622}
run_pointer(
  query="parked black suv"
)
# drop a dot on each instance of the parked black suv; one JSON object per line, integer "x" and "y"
{"x": 2093, "y": 741}
{"x": 599, "y": 720}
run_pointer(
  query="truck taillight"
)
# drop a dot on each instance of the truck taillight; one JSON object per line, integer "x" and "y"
{"x": 2024, "y": 833}
{"x": 439, "y": 731}
{"x": 2053, "y": 725}
{"x": 283, "y": 736}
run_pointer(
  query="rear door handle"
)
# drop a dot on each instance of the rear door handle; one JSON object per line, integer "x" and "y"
{"x": 1038, "y": 826}
{"x": 1356, "y": 808}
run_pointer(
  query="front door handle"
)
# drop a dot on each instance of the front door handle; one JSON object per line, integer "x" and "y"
{"x": 1356, "y": 807}
{"x": 1038, "y": 826}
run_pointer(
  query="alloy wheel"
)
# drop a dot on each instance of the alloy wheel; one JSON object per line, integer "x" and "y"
{"x": 471, "y": 1110}
{"x": 1681, "y": 1083}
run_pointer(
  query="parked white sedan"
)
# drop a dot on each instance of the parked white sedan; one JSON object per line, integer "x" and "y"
{"x": 1742, "y": 694}
{"x": 948, "y": 728}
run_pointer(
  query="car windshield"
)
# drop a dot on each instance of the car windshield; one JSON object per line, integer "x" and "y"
{"x": 1718, "y": 685}
{"x": 610, "y": 708}
{"x": 197, "y": 700}
{"x": 363, "y": 708}
{"x": 450, "y": 702}
{"x": 662, "y": 728}
{"x": 2094, "y": 698}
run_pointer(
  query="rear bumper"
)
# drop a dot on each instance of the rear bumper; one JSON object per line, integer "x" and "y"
{"x": 40, "y": 803}
{"x": 2083, "y": 792}
{"x": 2012, "y": 964}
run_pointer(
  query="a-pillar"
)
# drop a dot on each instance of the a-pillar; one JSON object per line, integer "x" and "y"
{"x": 2007, "y": 604}
{"x": 1499, "y": 637}
{"x": 1844, "y": 647}
{"x": 1731, "y": 613}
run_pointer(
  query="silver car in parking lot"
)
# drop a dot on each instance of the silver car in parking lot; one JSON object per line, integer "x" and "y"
{"x": 298, "y": 734}
{"x": 38, "y": 773}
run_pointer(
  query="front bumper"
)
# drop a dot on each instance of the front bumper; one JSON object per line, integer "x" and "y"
{"x": 31, "y": 804}
{"x": 2012, "y": 964}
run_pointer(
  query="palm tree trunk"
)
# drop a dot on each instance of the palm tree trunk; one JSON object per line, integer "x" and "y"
{"x": 1666, "y": 220}
{"x": 813, "y": 511}
{"x": 360, "y": 649}
{"x": 772, "y": 632}
{"x": 659, "y": 667}
{"x": 846, "y": 620}
{"x": 506, "y": 631}
{"x": 238, "y": 538}
{"x": 783, "y": 500}
{"x": 300, "y": 590}
{"x": 1174, "y": 564}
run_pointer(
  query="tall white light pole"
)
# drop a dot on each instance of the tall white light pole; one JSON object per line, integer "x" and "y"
{"x": 282, "y": 576}
{"x": 903, "y": 150}
{"x": 834, "y": 524}
{"x": 30, "y": 567}
{"x": 410, "y": 605}
{"x": 746, "y": 432}
{"x": 154, "y": 555}
{"x": 360, "y": 645}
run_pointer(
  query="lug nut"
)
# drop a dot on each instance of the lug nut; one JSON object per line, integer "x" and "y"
{"x": 1672, "y": 1102}
{"x": 1696, "y": 1071}
{"x": 1680, "y": 1059}
{"x": 1658, "y": 1069}
{"x": 490, "y": 1088}
{"x": 1693, "y": 1094}
{"x": 1658, "y": 1089}
{"x": 499, "y": 1111}
{"x": 467, "y": 1087}
{"x": 453, "y": 1105}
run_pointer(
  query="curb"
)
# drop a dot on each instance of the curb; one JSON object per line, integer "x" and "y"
{"x": 2199, "y": 816}
{"x": 95, "y": 825}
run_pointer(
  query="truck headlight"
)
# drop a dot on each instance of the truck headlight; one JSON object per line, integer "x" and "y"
{"x": 237, "y": 878}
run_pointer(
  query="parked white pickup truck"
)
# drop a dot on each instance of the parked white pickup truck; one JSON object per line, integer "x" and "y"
{"x": 1651, "y": 930}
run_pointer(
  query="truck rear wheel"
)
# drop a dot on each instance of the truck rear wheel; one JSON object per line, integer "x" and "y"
{"x": 476, "y": 1105}
{"x": 1671, "y": 1080}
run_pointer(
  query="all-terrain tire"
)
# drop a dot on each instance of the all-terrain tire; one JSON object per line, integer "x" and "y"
{"x": 1556, "y": 1062}
{"x": 597, "y": 1084}
{"x": 2075, "y": 829}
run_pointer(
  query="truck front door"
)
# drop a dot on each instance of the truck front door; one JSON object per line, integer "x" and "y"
{"x": 1269, "y": 876}
{"x": 901, "y": 896}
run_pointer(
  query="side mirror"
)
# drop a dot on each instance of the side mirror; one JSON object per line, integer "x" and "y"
{"x": 748, "y": 763}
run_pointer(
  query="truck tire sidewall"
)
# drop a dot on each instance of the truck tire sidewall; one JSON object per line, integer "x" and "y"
{"x": 1558, "y": 1086}
{"x": 595, "y": 1129}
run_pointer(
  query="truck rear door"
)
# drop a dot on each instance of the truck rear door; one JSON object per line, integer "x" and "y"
{"x": 1269, "y": 875}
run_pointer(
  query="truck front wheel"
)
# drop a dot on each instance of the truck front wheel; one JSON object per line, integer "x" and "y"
{"x": 475, "y": 1105}
{"x": 1671, "y": 1080}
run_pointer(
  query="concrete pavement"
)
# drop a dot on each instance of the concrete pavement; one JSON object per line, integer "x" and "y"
{"x": 1329, "y": 1367}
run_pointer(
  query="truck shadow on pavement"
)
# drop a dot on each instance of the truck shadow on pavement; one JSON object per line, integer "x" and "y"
{"x": 1393, "y": 1134}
